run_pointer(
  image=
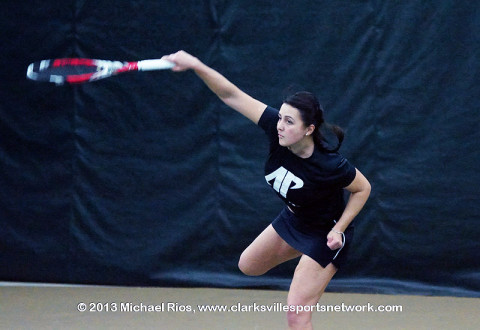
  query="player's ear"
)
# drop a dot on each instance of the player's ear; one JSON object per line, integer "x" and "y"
{"x": 310, "y": 130}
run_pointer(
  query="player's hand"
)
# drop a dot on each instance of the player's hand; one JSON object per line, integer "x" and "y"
{"x": 183, "y": 60}
{"x": 334, "y": 240}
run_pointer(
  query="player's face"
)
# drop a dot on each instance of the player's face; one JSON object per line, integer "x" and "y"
{"x": 290, "y": 126}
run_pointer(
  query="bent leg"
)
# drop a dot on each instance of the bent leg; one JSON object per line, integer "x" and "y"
{"x": 308, "y": 284}
{"x": 265, "y": 252}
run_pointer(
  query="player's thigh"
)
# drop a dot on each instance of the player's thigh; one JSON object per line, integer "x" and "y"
{"x": 265, "y": 252}
{"x": 309, "y": 281}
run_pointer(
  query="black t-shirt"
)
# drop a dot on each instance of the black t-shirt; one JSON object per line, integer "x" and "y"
{"x": 312, "y": 187}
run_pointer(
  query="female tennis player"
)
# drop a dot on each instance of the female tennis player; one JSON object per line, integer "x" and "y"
{"x": 309, "y": 176}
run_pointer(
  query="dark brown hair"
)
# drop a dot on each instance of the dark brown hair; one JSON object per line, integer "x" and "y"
{"x": 312, "y": 113}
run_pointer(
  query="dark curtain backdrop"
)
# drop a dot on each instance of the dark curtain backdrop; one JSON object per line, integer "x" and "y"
{"x": 148, "y": 179}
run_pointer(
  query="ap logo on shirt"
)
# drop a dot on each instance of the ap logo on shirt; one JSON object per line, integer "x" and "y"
{"x": 283, "y": 180}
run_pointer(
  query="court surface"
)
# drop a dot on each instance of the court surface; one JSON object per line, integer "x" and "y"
{"x": 34, "y": 306}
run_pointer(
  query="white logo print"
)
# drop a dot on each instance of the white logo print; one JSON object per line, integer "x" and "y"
{"x": 283, "y": 180}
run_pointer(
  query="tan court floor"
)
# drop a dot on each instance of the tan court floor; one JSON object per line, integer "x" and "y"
{"x": 56, "y": 307}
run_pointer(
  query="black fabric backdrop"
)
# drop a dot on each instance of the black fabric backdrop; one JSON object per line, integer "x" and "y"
{"x": 148, "y": 179}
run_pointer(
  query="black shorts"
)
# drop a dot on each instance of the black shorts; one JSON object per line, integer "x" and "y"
{"x": 311, "y": 240}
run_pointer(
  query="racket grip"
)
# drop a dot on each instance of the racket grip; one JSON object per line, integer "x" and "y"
{"x": 160, "y": 64}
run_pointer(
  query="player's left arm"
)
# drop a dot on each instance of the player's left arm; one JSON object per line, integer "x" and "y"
{"x": 359, "y": 192}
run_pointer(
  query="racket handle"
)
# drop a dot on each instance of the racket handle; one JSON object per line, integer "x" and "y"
{"x": 160, "y": 64}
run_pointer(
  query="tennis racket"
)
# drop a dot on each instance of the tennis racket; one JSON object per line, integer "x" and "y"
{"x": 81, "y": 70}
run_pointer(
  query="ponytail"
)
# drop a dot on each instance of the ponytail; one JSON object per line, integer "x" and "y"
{"x": 323, "y": 137}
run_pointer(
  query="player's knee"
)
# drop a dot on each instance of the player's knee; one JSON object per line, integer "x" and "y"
{"x": 299, "y": 314}
{"x": 299, "y": 320}
{"x": 249, "y": 268}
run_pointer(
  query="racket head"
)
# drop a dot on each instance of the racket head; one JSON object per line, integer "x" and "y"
{"x": 75, "y": 70}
